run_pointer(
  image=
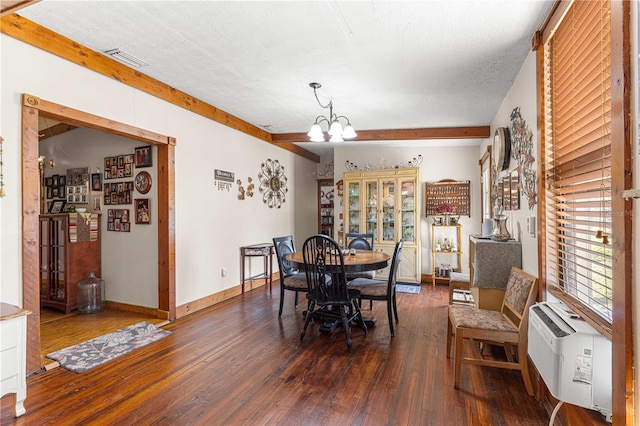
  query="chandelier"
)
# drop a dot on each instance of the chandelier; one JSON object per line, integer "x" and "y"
{"x": 336, "y": 131}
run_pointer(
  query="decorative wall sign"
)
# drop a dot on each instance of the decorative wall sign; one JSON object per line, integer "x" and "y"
{"x": 118, "y": 220}
{"x": 521, "y": 151}
{"x": 273, "y": 183}
{"x": 223, "y": 180}
{"x": 327, "y": 172}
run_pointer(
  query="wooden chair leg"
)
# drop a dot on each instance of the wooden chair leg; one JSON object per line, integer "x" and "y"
{"x": 345, "y": 325}
{"x": 297, "y": 294}
{"x": 457, "y": 358}
{"x": 390, "y": 315}
{"x": 524, "y": 369}
{"x": 281, "y": 299}
{"x": 395, "y": 308}
{"x": 449, "y": 335}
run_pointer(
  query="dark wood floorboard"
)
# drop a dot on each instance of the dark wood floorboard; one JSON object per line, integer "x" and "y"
{"x": 237, "y": 363}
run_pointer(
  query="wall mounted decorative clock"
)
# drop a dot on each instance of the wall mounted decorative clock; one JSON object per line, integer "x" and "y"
{"x": 502, "y": 148}
{"x": 143, "y": 182}
{"x": 273, "y": 183}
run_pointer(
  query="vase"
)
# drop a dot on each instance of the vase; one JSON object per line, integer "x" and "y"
{"x": 500, "y": 232}
{"x": 91, "y": 295}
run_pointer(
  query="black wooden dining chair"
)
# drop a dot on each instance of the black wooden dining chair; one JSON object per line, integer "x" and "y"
{"x": 329, "y": 297}
{"x": 382, "y": 290}
{"x": 290, "y": 278}
{"x": 360, "y": 242}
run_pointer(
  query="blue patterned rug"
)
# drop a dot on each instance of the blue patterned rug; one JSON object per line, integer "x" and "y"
{"x": 408, "y": 288}
{"x": 92, "y": 353}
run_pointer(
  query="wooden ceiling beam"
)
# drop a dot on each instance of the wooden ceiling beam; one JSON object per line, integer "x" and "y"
{"x": 475, "y": 132}
{"x": 7, "y": 7}
{"x": 58, "y": 129}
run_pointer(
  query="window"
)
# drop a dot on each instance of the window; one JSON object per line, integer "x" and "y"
{"x": 577, "y": 163}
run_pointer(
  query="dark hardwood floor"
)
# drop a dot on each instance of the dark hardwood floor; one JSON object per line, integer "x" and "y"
{"x": 237, "y": 363}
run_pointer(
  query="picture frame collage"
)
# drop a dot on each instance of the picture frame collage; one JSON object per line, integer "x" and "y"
{"x": 119, "y": 166}
{"x": 55, "y": 186}
{"x": 118, "y": 220}
{"x": 118, "y": 193}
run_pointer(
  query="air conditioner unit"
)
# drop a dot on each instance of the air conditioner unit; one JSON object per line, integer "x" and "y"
{"x": 573, "y": 359}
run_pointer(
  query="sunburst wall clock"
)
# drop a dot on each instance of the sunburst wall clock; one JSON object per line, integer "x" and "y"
{"x": 273, "y": 183}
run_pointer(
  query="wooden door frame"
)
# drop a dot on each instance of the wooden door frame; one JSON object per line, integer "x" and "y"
{"x": 32, "y": 108}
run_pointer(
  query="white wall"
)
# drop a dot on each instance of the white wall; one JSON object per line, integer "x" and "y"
{"x": 211, "y": 225}
{"x": 522, "y": 94}
{"x": 456, "y": 160}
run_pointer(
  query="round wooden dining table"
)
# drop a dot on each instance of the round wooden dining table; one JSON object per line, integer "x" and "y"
{"x": 363, "y": 260}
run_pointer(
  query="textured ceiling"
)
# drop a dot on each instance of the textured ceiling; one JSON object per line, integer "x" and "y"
{"x": 385, "y": 64}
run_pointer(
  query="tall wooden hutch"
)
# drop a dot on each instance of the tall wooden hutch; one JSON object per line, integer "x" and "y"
{"x": 386, "y": 203}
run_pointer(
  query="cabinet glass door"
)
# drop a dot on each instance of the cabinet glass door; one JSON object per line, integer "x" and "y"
{"x": 388, "y": 210}
{"x": 407, "y": 210}
{"x": 371, "y": 209}
{"x": 353, "y": 207}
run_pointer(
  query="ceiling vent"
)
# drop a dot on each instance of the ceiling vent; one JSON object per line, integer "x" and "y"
{"x": 125, "y": 58}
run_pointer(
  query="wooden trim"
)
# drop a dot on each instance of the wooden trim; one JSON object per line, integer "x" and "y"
{"x": 621, "y": 162}
{"x": 8, "y": 7}
{"x": 32, "y": 108}
{"x": 43, "y": 38}
{"x": 477, "y": 132}
{"x": 31, "y": 234}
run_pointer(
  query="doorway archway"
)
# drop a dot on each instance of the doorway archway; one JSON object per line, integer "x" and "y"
{"x": 34, "y": 107}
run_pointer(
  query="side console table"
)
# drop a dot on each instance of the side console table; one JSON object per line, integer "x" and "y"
{"x": 264, "y": 250}
{"x": 13, "y": 336}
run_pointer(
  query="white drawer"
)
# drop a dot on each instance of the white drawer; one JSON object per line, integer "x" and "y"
{"x": 9, "y": 333}
{"x": 8, "y": 363}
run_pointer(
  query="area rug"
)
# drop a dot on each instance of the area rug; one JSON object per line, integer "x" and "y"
{"x": 408, "y": 288}
{"x": 92, "y": 353}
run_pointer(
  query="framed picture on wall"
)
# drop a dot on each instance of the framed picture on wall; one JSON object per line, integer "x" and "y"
{"x": 96, "y": 182}
{"x": 143, "y": 156}
{"x": 57, "y": 206}
{"x": 142, "y": 211}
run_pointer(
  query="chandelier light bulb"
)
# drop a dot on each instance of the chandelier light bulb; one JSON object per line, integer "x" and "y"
{"x": 336, "y": 138}
{"x": 315, "y": 132}
{"x": 349, "y": 132}
{"x": 335, "y": 129}
{"x": 317, "y": 138}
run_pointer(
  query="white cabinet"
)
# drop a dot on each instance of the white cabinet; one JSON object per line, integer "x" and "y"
{"x": 384, "y": 203}
{"x": 13, "y": 371}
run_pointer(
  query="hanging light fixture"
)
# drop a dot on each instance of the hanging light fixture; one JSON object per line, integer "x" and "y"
{"x": 336, "y": 131}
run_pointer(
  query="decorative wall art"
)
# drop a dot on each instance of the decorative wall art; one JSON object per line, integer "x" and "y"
{"x": 521, "y": 151}
{"x": 118, "y": 166}
{"x": 143, "y": 157}
{"x": 414, "y": 162}
{"x": 143, "y": 216}
{"x": 55, "y": 186}
{"x": 327, "y": 172}
{"x": 249, "y": 192}
{"x": 273, "y": 183}
{"x": 76, "y": 177}
{"x": 118, "y": 220}
{"x": 223, "y": 180}
{"x": 118, "y": 193}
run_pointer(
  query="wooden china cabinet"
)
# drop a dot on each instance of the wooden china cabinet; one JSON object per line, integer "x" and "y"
{"x": 385, "y": 203}
{"x": 69, "y": 251}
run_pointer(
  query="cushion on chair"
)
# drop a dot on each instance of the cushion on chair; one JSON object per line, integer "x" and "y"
{"x": 298, "y": 280}
{"x": 480, "y": 319}
{"x": 364, "y": 274}
{"x": 369, "y": 287}
{"x": 518, "y": 290}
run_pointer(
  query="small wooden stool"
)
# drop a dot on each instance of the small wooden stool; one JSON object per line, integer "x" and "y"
{"x": 459, "y": 290}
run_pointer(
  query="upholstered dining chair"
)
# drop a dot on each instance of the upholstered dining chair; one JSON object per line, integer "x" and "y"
{"x": 382, "y": 290}
{"x": 290, "y": 278}
{"x": 331, "y": 298}
{"x": 507, "y": 328}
